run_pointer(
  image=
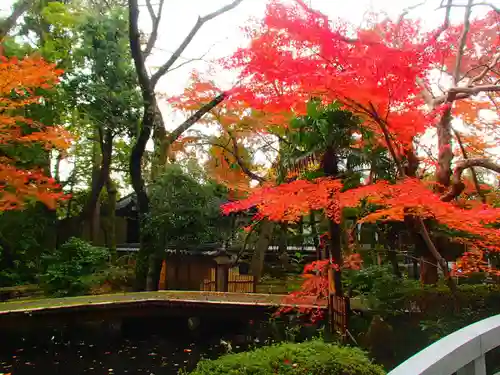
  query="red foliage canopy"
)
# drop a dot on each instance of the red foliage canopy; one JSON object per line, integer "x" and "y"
{"x": 20, "y": 80}
{"x": 380, "y": 73}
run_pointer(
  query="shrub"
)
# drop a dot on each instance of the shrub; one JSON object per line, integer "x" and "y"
{"x": 114, "y": 278}
{"x": 424, "y": 313}
{"x": 379, "y": 288}
{"x": 311, "y": 357}
{"x": 74, "y": 268}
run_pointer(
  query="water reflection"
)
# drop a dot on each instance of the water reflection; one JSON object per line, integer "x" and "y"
{"x": 158, "y": 348}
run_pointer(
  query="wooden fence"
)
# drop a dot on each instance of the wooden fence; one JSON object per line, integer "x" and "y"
{"x": 236, "y": 283}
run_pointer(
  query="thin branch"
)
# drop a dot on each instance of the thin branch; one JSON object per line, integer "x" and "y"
{"x": 473, "y": 171}
{"x": 487, "y": 68}
{"x": 434, "y": 251}
{"x": 388, "y": 141}
{"x": 446, "y": 22}
{"x": 197, "y": 26}
{"x": 484, "y": 3}
{"x": 462, "y": 41}
{"x": 155, "y": 18}
{"x": 190, "y": 60}
{"x": 240, "y": 162}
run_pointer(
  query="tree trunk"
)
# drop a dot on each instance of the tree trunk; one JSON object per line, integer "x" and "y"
{"x": 101, "y": 171}
{"x": 314, "y": 232}
{"x": 146, "y": 241}
{"x": 93, "y": 214}
{"x": 283, "y": 246}
{"x": 330, "y": 166}
{"x": 445, "y": 156}
{"x": 335, "y": 248}
{"x": 391, "y": 245}
{"x": 265, "y": 234}
{"x": 428, "y": 268}
{"x": 154, "y": 271}
{"x": 158, "y": 165}
{"x": 111, "y": 233}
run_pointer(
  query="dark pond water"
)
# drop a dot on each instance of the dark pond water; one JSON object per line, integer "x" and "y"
{"x": 151, "y": 348}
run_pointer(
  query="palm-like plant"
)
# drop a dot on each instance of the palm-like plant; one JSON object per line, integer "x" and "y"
{"x": 331, "y": 141}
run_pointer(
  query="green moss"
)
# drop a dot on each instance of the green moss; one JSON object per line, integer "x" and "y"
{"x": 312, "y": 358}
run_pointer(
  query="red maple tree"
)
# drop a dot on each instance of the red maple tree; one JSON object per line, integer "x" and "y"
{"x": 382, "y": 74}
{"x": 21, "y": 81}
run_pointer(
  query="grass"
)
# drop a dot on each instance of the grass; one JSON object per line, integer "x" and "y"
{"x": 270, "y": 285}
{"x": 208, "y": 297}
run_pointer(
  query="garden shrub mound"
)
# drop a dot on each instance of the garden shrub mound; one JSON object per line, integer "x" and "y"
{"x": 311, "y": 357}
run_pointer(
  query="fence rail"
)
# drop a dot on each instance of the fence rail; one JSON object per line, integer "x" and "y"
{"x": 462, "y": 352}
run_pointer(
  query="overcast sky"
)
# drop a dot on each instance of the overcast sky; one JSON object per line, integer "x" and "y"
{"x": 223, "y": 35}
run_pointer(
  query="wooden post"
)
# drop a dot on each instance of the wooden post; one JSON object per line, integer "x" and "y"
{"x": 338, "y": 307}
{"x": 222, "y": 273}
{"x": 162, "y": 285}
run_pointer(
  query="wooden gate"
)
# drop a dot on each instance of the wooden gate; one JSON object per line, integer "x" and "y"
{"x": 236, "y": 283}
{"x": 210, "y": 284}
{"x": 240, "y": 283}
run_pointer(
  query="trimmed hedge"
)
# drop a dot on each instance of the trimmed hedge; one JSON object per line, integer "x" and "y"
{"x": 312, "y": 358}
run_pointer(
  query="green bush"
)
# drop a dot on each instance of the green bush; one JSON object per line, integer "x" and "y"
{"x": 115, "y": 278}
{"x": 74, "y": 269}
{"x": 311, "y": 357}
{"x": 424, "y": 313}
{"x": 378, "y": 286}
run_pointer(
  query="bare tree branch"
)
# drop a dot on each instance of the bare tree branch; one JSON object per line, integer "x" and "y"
{"x": 473, "y": 171}
{"x": 457, "y": 185}
{"x": 487, "y": 68}
{"x": 483, "y": 3}
{"x": 155, "y": 19}
{"x": 190, "y": 60}
{"x": 434, "y": 251}
{"x": 462, "y": 41}
{"x": 19, "y": 8}
{"x": 463, "y": 93}
{"x": 446, "y": 22}
{"x": 195, "y": 117}
{"x": 240, "y": 162}
{"x": 197, "y": 26}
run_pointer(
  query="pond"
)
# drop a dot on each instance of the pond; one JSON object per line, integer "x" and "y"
{"x": 155, "y": 347}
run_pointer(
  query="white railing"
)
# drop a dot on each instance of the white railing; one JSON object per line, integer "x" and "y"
{"x": 462, "y": 352}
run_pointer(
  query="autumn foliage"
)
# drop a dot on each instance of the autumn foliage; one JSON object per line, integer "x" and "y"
{"x": 382, "y": 73}
{"x": 20, "y": 84}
